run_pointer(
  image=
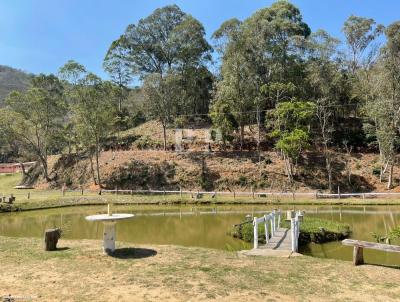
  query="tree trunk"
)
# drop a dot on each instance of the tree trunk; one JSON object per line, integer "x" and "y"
{"x": 45, "y": 169}
{"x": 165, "y": 135}
{"x": 241, "y": 137}
{"x": 98, "y": 166}
{"x": 328, "y": 169}
{"x": 390, "y": 180}
{"x": 22, "y": 169}
{"x": 92, "y": 169}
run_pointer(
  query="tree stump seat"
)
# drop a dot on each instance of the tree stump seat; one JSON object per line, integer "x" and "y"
{"x": 51, "y": 237}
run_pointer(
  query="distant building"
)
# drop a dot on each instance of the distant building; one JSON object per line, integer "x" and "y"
{"x": 14, "y": 167}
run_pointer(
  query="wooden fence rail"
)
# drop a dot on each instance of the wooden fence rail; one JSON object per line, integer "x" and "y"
{"x": 315, "y": 195}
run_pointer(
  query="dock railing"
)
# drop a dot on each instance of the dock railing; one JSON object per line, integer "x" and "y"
{"x": 272, "y": 219}
{"x": 296, "y": 218}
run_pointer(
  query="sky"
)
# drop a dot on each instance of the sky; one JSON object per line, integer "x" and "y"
{"x": 39, "y": 36}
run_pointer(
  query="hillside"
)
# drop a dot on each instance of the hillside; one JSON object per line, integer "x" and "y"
{"x": 143, "y": 165}
{"x": 12, "y": 79}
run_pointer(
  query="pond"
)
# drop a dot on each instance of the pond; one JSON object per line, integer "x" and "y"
{"x": 204, "y": 226}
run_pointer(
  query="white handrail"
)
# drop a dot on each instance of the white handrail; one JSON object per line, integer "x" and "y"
{"x": 274, "y": 218}
{"x": 295, "y": 221}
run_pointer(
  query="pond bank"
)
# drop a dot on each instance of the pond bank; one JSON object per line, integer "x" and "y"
{"x": 79, "y": 272}
{"x": 54, "y": 199}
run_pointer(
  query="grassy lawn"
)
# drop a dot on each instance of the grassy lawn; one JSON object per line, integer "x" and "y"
{"x": 80, "y": 272}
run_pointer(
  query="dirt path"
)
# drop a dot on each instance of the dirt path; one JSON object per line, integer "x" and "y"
{"x": 80, "y": 272}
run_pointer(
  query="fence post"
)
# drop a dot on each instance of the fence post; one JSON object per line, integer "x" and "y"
{"x": 272, "y": 224}
{"x": 274, "y": 219}
{"x": 266, "y": 228}
{"x": 279, "y": 219}
{"x": 293, "y": 231}
{"x": 255, "y": 232}
{"x": 338, "y": 191}
{"x": 29, "y": 195}
{"x": 234, "y": 195}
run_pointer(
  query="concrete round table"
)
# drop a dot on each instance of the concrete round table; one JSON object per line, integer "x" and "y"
{"x": 109, "y": 221}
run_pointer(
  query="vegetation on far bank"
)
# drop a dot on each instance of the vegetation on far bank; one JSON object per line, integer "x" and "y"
{"x": 32, "y": 199}
{"x": 298, "y": 101}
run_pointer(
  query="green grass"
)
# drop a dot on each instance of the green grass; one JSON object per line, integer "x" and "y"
{"x": 313, "y": 225}
{"x": 9, "y": 181}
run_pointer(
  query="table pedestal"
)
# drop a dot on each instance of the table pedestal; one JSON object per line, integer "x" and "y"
{"x": 109, "y": 237}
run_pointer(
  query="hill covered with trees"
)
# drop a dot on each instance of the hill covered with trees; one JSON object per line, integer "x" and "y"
{"x": 297, "y": 92}
{"x": 12, "y": 79}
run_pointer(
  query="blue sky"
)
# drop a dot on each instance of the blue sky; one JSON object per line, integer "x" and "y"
{"x": 40, "y": 36}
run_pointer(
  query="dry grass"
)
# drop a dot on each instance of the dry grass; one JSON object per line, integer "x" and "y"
{"x": 171, "y": 273}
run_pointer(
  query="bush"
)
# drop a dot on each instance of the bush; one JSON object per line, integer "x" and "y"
{"x": 376, "y": 171}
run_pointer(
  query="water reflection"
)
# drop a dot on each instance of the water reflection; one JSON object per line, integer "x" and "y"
{"x": 205, "y": 226}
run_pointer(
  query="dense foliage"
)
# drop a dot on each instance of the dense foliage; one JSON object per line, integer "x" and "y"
{"x": 301, "y": 89}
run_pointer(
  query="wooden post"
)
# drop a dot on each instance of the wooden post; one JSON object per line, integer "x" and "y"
{"x": 51, "y": 237}
{"x": 338, "y": 191}
{"x": 358, "y": 255}
{"x": 234, "y": 195}
{"x": 29, "y": 195}
{"x": 316, "y": 195}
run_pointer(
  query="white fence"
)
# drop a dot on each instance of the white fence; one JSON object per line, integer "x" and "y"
{"x": 295, "y": 220}
{"x": 253, "y": 194}
{"x": 274, "y": 219}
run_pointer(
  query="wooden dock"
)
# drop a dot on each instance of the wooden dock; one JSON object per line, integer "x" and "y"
{"x": 280, "y": 245}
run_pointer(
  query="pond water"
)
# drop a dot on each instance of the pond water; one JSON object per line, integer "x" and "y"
{"x": 204, "y": 226}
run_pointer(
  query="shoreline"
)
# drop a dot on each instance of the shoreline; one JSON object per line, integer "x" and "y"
{"x": 50, "y": 200}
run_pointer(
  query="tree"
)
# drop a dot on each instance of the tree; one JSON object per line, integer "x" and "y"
{"x": 327, "y": 83}
{"x": 258, "y": 55}
{"x": 223, "y": 120}
{"x": 92, "y": 110}
{"x": 118, "y": 67}
{"x": 360, "y": 33}
{"x": 37, "y": 118}
{"x": 158, "y": 92}
{"x": 291, "y": 128}
{"x": 167, "y": 44}
{"x": 383, "y": 99}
